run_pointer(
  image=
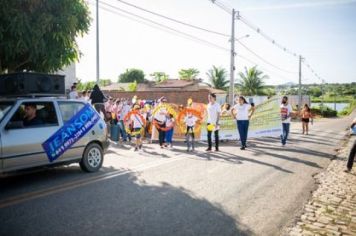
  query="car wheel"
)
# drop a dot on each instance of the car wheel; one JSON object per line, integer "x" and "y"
{"x": 93, "y": 158}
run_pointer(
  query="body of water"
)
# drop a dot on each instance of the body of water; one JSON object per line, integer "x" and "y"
{"x": 339, "y": 106}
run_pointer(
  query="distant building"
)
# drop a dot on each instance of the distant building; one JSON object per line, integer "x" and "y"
{"x": 175, "y": 90}
{"x": 70, "y": 75}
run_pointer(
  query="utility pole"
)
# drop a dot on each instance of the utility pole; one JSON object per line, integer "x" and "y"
{"x": 232, "y": 60}
{"x": 322, "y": 98}
{"x": 300, "y": 84}
{"x": 97, "y": 42}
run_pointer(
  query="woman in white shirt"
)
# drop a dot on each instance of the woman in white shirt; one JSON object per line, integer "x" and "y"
{"x": 242, "y": 112}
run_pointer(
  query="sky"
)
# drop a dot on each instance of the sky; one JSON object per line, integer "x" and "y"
{"x": 321, "y": 31}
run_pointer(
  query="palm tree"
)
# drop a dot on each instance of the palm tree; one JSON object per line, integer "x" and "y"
{"x": 217, "y": 76}
{"x": 188, "y": 74}
{"x": 159, "y": 76}
{"x": 251, "y": 82}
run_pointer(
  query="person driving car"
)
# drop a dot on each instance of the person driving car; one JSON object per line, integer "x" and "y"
{"x": 30, "y": 118}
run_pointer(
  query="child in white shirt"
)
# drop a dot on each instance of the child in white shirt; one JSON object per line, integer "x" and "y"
{"x": 190, "y": 122}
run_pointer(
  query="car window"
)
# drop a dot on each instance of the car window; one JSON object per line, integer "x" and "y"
{"x": 34, "y": 114}
{"x": 69, "y": 109}
{"x": 5, "y": 108}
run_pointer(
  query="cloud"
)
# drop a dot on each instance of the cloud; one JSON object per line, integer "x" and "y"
{"x": 300, "y": 5}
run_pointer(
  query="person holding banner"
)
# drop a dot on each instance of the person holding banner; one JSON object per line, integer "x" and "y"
{"x": 213, "y": 110}
{"x": 286, "y": 112}
{"x": 160, "y": 118}
{"x": 242, "y": 112}
{"x": 170, "y": 130}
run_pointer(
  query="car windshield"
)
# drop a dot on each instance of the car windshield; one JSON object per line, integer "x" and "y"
{"x": 5, "y": 108}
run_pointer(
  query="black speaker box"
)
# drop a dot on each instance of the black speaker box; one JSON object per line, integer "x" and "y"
{"x": 27, "y": 84}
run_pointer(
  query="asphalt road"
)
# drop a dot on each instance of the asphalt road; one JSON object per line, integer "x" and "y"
{"x": 171, "y": 192}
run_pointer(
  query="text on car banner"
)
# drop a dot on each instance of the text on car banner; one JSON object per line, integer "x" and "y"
{"x": 71, "y": 132}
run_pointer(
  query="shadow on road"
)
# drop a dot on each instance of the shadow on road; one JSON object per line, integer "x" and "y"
{"x": 121, "y": 205}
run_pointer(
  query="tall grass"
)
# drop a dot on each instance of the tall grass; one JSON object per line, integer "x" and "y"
{"x": 348, "y": 110}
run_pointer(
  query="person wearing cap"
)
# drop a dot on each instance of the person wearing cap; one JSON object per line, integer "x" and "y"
{"x": 137, "y": 125}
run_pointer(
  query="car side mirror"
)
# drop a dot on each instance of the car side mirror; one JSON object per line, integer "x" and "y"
{"x": 14, "y": 125}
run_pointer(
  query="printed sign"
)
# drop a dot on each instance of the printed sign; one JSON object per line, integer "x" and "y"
{"x": 71, "y": 132}
{"x": 227, "y": 131}
{"x": 266, "y": 121}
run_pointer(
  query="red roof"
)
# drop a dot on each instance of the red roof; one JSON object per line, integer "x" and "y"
{"x": 175, "y": 83}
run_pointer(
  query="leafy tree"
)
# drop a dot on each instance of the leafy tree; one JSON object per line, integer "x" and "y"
{"x": 251, "y": 82}
{"x": 132, "y": 75}
{"x": 39, "y": 35}
{"x": 85, "y": 86}
{"x": 133, "y": 86}
{"x": 291, "y": 91}
{"x": 217, "y": 77}
{"x": 268, "y": 92}
{"x": 81, "y": 86}
{"x": 188, "y": 74}
{"x": 314, "y": 91}
{"x": 159, "y": 76}
{"x": 104, "y": 82}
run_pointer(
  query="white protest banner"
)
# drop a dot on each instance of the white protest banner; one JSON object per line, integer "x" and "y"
{"x": 265, "y": 121}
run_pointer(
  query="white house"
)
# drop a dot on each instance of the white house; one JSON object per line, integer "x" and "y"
{"x": 70, "y": 75}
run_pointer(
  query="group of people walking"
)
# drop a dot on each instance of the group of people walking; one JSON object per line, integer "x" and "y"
{"x": 141, "y": 121}
{"x": 163, "y": 121}
{"x": 136, "y": 119}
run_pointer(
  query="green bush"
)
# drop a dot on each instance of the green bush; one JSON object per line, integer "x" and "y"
{"x": 324, "y": 111}
{"x": 348, "y": 110}
{"x": 331, "y": 99}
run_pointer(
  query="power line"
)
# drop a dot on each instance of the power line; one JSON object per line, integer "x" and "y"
{"x": 167, "y": 27}
{"x": 264, "y": 35}
{"x": 313, "y": 72}
{"x": 264, "y": 60}
{"x": 267, "y": 37}
{"x": 264, "y": 68}
{"x": 258, "y": 30}
{"x": 222, "y": 6}
{"x": 171, "y": 30}
{"x": 174, "y": 20}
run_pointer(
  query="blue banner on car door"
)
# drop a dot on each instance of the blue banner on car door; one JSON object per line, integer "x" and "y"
{"x": 71, "y": 132}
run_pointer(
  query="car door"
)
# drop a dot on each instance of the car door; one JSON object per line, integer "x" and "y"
{"x": 22, "y": 145}
{"x": 5, "y": 108}
{"x": 68, "y": 109}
